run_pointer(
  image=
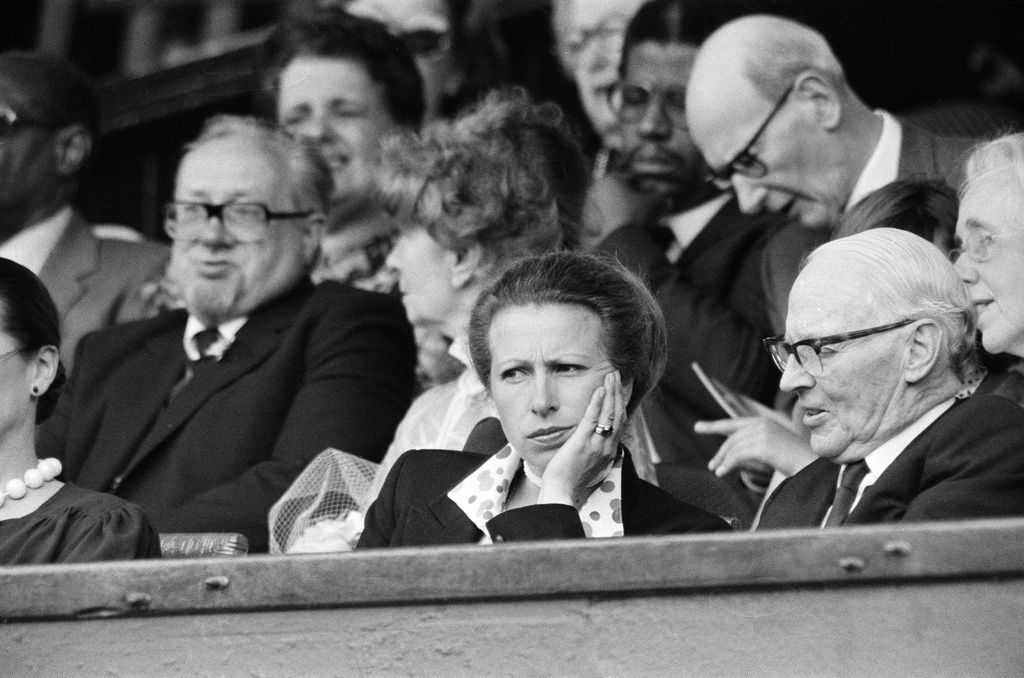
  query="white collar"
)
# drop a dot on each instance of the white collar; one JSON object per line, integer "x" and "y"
{"x": 688, "y": 224}
{"x": 228, "y": 330}
{"x": 884, "y": 164}
{"x": 482, "y": 494}
{"x": 32, "y": 246}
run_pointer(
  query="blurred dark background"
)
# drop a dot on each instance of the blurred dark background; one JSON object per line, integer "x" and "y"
{"x": 163, "y": 66}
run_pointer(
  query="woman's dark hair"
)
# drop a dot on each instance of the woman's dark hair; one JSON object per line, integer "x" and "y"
{"x": 332, "y": 33}
{"x": 925, "y": 207}
{"x": 28, "y": 315}
{"x": 633, "y": 325}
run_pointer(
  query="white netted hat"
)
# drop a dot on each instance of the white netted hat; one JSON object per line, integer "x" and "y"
{"x": 323, "y": 509}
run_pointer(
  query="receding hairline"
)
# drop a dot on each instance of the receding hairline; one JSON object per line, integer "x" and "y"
{"x": 754, "y": 44}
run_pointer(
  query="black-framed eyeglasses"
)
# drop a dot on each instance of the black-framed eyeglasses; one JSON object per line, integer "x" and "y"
{"x": 808, "y": 351}
{"x": 746, "y": 162}
{"x": 631, "y": 101}
{"x": 426, "y": 42}
{"x": 244, "y": 221}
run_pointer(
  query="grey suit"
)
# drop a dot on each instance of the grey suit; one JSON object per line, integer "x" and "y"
{"x": 91, "y": 279}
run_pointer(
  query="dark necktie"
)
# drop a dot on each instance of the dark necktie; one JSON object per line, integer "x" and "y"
{"x": 846, "y": 492}
{"x": 204, "y": 339}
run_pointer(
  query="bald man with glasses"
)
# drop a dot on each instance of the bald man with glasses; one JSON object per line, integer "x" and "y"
{"x": 879, "y": 344}
{"x": 770, "y": 108}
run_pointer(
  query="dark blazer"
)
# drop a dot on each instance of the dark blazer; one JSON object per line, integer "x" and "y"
{"x": 715, "y": 314}
{"x": 967, "y": 464}
{"x": 929, "y": 156}
{"x": 91, "y": 279}
{"x": 325, "y": 366}
{"x": 413, "y": 508}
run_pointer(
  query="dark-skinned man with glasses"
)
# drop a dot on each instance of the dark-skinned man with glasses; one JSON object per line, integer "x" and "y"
{"x": 49, "y": 127}
{"x": 204, "y": 416}
{"x": 880, "y": 339}
{"x": 700, "y": 253}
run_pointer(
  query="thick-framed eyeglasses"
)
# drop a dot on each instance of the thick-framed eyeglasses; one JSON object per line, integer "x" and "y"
{"x": 977, "y": 246}
{"x": 746, "y": 162}
{"x": 631, "y": 102}
{"x": 244, "y": 221}
{"x": 808, "y": 351}
{"x": 426, "y": 42}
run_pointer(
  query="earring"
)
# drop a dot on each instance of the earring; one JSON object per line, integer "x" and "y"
{"x": 35, "y": 390}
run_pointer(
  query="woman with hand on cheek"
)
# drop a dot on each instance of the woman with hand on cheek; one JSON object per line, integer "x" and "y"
{"x": 568, "y": 345}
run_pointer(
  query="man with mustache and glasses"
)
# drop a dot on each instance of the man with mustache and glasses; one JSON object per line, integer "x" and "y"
{"x": 700, "y": 253}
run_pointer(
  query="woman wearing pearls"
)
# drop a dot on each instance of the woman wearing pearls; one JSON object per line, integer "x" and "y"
{"x": 43, "y": 520}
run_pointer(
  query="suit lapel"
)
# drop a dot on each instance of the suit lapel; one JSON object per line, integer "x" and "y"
{"x": 136, "y": 403}
{"x": 257, "y": 339}
{"x": 721, "y": 224}
{"x": 74, "y": 258}
{"x": 442, "y": 522}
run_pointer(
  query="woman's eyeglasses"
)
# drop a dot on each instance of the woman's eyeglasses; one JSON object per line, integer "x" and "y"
{"x": 977, "y": 246}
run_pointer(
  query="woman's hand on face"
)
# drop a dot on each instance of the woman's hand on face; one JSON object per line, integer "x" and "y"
{"x": 585, "y": 456}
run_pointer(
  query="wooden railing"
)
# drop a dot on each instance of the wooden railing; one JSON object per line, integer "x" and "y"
{"x": 927, "y": 599}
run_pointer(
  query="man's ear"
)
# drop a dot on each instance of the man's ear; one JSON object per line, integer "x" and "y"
{"x": 467, "y": 266}
{"x": 924, "y": 348}
{"x": 72, "y": 145}
{"x": 818, "y": 91}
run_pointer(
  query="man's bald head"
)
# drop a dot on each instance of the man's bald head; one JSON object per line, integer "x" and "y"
{"x": 742, "y": 65}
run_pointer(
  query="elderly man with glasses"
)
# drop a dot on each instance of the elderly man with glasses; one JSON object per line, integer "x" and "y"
{"x": 205, "y": 415}
{"x": 879, "y": 343}
{"x": 771, "y": 110}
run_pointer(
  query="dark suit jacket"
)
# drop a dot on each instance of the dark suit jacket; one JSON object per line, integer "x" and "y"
{"x": 325, "y": 366}
{"x": 967, "y": 464}
{"x": 90, "y": 279}
{"x": 714, "y": 306}
{"x": 413, "y": 508}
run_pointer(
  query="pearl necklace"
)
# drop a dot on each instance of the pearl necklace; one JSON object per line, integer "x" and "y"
{"x": 34, "y": 478}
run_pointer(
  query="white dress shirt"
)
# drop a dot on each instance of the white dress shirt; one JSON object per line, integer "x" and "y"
{"x": 884, "y": 164}
{"x": 31, "y": 247}
{"x": 687, "y": 225}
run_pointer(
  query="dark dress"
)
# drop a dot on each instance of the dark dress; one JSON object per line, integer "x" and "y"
{"x": 77, "y": 526}
{"x": 413, "y": 508}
